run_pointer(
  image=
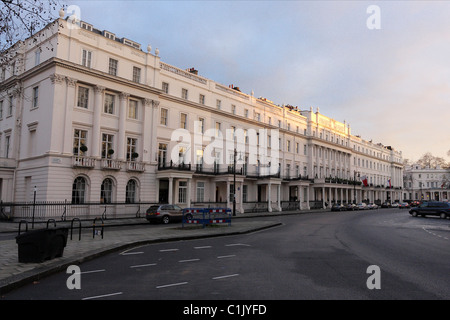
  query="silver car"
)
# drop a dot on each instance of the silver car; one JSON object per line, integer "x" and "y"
{"x": 164, "y": 213}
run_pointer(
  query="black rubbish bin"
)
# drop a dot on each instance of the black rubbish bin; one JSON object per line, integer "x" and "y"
{"x": 42, "y": 244}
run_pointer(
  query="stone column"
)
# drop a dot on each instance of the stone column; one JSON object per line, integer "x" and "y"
{"x": 96, "y": 137}
{"x": 147, "y": 125}
{"x": 170, "y": 200}
{"x": 279, "y": 197}
{"x": 269, "y": 197}
{"x": 122, "y": 124}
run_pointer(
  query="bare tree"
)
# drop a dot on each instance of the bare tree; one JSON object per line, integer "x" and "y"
{"x": 20, "y": 20}
{"x": 428, "y": 160}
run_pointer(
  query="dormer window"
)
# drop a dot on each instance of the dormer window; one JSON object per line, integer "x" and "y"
{"x": 131, "y": 43}
{"x": 86, "y": 26}
{"x": 109, "y": 35}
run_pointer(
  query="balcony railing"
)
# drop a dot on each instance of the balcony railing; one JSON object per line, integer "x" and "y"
{"x": 175, "y": 166}
{"x": 111, "y": 164}
{"x": 135, "y": 166}
{"x": 85, "y": 162}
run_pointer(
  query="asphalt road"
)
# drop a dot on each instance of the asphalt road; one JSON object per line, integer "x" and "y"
{"x": 317, "y": 256}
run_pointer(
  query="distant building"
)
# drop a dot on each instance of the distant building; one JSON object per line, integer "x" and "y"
{"x": 425, "y": 183}
{"x": 92, "y": 120}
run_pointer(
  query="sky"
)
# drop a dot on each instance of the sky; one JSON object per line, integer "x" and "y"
{"x": 385, "y": 71}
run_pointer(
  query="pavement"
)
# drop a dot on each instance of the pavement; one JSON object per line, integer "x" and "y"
{"x": 14, "y": 274}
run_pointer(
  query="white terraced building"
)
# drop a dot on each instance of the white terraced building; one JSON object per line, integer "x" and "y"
{"x": 426, "y": 183}
{"x": 91, "y": 120}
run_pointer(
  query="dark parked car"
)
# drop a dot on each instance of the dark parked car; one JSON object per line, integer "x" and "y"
{"x": 403, "y": 205}
{"x": 338, "y": 207}
{"x": 164, "y": 213}
{"x": 432, "y": 208}
{"x": 386, "y": 205}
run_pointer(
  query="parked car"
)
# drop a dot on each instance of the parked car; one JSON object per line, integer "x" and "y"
{"x": 386, "y": 205}
{"x": 164, "y": 213}
{"x": 403, "y": 205}
{"x": 432, "y": 208}
{"x": 362, "y": 206}
{"x": 338, "y": 207}
{"x": 372, "y": 206}
{"x": 350, "y": 207}
{"x": 394, "y": 205}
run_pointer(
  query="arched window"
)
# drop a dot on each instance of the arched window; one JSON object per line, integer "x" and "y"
{"x": 131, "y": 191}
{"x": 106, "y": 191}
{"x": 79, "y": 190}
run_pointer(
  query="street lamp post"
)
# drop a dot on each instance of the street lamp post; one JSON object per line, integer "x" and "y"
{"x": 34, "y": 207}
{"x": 354, "y": 184}
{"x": 234, "y": 179}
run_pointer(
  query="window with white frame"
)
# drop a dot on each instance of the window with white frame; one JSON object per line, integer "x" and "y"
{"x": 131, "y": 149}
{"x": 164, "y": 116}
{"x": 106, "y": 191}
{"x": 80, "y": 142}
{"x": 131, "y": 191}
{"x": 218, "y": 128}
{"x": 86, "y": 58}
{"x": 165, "y": 87}
{"x": 35, "y": 101}
{"x": 200, "y": 191}
{"x": 79, "y": 190}
{"x": 136, "y": 74}
{"x": 112, "y": 70}
{"x": 183, "y": 121}
{"x": 184, "y": 93}
{"x": 7, "y": 145}
{"x": 182, "y": 191}
{"x": 109, "y": 103}
{"x": 219, "y": 104}
{"x": 83, "y": 97}
{"x": 132, "y": 109}
{"x": 162, "y": 154}
{"x": 201, "y": 125}
{"x": 37, "y": 57}
{"x": 107, "y": 146}
{"x": 201, "y": 99}
{"x": 10, "y": 105}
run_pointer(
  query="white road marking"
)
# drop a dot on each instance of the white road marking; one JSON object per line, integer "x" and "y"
{"x": 189, "y": 260}
{"x": 171, "y": 285}
{"x": 143, "y": 265}
{"x": 204, "y": 247}
{"x": 126, "y": 251}
{"x": 167, "y": 250}
{"x": 434, "y": 234}
{"x": 227, "y": 276}
{"x": 92, "y": 271}
{"x": 237, "y": 244}
{"x": 130, "y": 253}
{"x": 102, "y": 296}
{"x": 229, "y": 256}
